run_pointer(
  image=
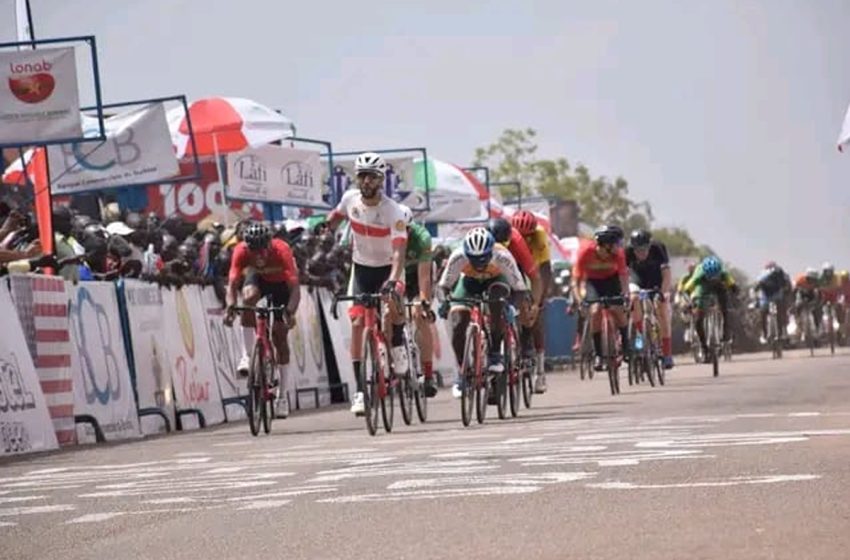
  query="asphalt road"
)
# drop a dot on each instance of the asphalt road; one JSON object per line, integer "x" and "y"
{"x": 753, "y": 464}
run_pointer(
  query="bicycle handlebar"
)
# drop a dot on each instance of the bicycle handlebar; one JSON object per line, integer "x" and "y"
{"x": 605, "y": 301}
{"x": 366, "y": 300}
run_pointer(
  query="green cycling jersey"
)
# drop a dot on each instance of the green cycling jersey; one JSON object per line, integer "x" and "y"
{"x": 418, "y": 245}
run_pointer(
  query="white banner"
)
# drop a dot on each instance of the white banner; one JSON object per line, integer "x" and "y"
{"x": 445, "y": 361}
{"x": 25, "y": 424}
{"x": 340, "y": 334}
{"x": 192, "y": 372}
{"x": 137, "y": 150}
{"x": 398, "y": 180}
{"x": 102, "y": 386}
{"x": 276, "y": 174}
{"x": 39, "y": 96}
{"x": 307, "y": 365}
{"x": 226, "y": 350}
{"x": 150, "y": 353}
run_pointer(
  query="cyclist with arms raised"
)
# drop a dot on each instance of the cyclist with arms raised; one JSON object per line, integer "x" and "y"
{"x": 379, "y": 230}
{"x": 538, "y": 242}
{"x": 600, "y": 272}
{"x": 710, "y": 280}
{"x": 480, "y": 268}
{"x": 649, "y": 269}
{"x": 269, "y": 270}
{"x": 417, "y": 281}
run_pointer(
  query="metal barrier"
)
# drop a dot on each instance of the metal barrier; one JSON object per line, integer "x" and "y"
{"x": 92, "y": 421}
{"x": 202, "y": 422}
{"x": 156, "y": 412}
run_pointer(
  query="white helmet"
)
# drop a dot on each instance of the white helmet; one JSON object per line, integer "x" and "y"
{"x": 407, "y": 214}
{"x": 478, "y": 244}
{"x": 370, "y": 161}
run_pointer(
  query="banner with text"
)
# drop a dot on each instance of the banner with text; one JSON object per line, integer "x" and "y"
{"x": 276, "y": 174}
{"x": 340, "y": 333}
{"x": 25, "y": 424}
{"x": 226, "y": 350}
{"x": 307, "y": 351}
{"x": 192, "y": 373}
{"x": 137, "y": 150}
{"x": 39, "y": 96}
{"x": 150, "y": 352}
{"x": 102, "y": 386}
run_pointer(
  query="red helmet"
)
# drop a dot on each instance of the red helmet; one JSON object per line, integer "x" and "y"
{"x": 525, "y": 222}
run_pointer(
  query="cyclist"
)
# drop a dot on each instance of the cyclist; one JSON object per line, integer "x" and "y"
{"x": 649, "y": 269}
{"x": 538, "y": 242}
{"x": 269, "y": 270}
{"x": 417, "y": 281}
{"x": 509, "y": 237}
{"x": 710, "y": 280}
{"x": 379, "y": 235}
{"x": 600, "y": 271}
{"x": 830, "y": 290}
{"x": 773, "y": 285}
{"x": 807, "y": 299}
{"x": 480, "y": 267}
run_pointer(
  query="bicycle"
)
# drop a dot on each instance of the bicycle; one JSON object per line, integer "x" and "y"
{"x": 586, "y": 353}
{"x": 261, "y": 373}
{"x": 377, "y": 380}
{"x": 774, "y": 339}
{"x": 516, "y": 373}
{"x": 714, "y": 335}
{"x": 647, "y": 361}
{"x": 475, "y": 386}
{"x": 525, "y": 367}
{"x": 412, "y": 390}
{"x": 829, "y": 325}
{"x": 611, "y": 345}
{"x": 806, "y": 311}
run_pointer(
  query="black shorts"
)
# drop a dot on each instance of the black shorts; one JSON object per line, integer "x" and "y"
{"x": 367, "y": 279}
{"x": 411, "y": 283}
{"x": 645, "y": 281}
{"x": 278, "y": 292}
{"x": 605, "y": 288}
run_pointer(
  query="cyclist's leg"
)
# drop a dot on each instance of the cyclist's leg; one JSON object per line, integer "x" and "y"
{"x": 251, "y": 294}
{"x": 460, "y": 317}
{"x": 279, "y": 294}
{"x": 634, "y": 302}
{"x": 364, "y": 280}
{"x": 723, "y": 301}
{"x": 497, "y": 288}
{"x": 663, "y": 315}
{"x": 700, "y": 300}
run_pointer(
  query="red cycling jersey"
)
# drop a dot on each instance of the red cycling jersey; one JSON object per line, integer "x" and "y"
{"x": 274, "y": 264}
{"x": 590, "y": 266}
{"x": 522, "y": 254}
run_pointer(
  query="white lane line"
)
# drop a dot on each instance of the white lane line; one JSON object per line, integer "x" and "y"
{"x": 12, "y": 499}
{"x": 431, "y": 494}
{"x": 802, "y": 414}
{"x": 263, "y": 504}
{"x": 28, "y": 510}
{"x": 174, "y": 500}
{"x": 95, "y": 517}
{"x": 735, "y": 481}
{"x": 7, "y": 524}
{"x": 508, "y": 479}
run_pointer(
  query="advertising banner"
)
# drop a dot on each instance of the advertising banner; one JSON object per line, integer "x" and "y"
{"x": 137, "y": 150}
{"x": 276, "y": 174}
{"x": 192, "y": 373}
{"x": 340, "y": 334}
{"x": 226, "y": 350}
{"x": 42, "y": 305}
{"x": 39, "y": 96}
{"x": 150, "y": 352}
{"x": 25, "y": 424}
{"x": 307, "y": 365}
{"x": 102, "y": 386}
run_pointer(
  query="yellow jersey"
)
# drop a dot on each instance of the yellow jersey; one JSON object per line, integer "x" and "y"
{"x": 538, "y": 244}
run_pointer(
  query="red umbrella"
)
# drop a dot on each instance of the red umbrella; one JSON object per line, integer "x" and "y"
{"x": 223, "y": 125}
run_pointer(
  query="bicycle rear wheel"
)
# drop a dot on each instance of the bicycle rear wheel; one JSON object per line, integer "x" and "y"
{"x": 255, "y": 390}
{"x": 419, "y": 388}
{"x": 647, "y": 364}
{"x": 525, "y": 382}
{"x": 467, "y": 376}
{"x": 613, "y": 366}
{"x": 368, "y": 373}
{"x": 830, "y": 317}
{"x": 388, "y": 403}
{"x": 482, "y": 380}
{"x": 268, "y": 395}
{"x": 659, "y": 370}
{"x": 512, "y": 371}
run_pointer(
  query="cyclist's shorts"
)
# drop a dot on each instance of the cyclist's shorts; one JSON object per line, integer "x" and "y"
{"x": 411, "y": 283}
{"x": 703, "y": 296}
{"x": 764, "y": 299}
{"x": 468, "y": 287}
{"x": 277, "y": 291}
{"x": 366, "y": 280}
{"x": 603, "y": 288}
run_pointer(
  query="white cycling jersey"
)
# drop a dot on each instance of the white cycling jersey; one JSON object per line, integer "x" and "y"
{"x": 502, "y": 264}
{"x": 376, "y": 230}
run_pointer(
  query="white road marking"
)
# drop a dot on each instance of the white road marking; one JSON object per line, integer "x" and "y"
{"x": 12, "y": 499}
{"x": 174, "y": 500}
{"x": 508, "y": 479}
{"x": 7, "y": 524}
{"x": 735, "y": 481}
{"x": 95, "y": 517}
{"x": 30, "y": 510}
{"x": 431, "y": 494}
{"x": 803, "y": 414}
{"x": 263, "y": 504}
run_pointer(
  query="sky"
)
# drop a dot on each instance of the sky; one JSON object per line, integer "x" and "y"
{"x": 722, "y": 114}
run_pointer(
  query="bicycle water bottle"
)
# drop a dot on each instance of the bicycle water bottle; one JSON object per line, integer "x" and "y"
{"x": 510, "y": 314}
{"x": 638, "y": 341}
{"x": 383, "y": 359}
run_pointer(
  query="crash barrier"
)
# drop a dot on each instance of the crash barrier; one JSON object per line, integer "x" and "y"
{"x": 103, "y": 361}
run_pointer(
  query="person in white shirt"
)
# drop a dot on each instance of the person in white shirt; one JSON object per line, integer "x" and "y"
{"x": 379, "y": 231}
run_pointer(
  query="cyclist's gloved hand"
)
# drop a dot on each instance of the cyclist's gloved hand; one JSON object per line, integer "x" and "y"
{"x": 443, "y": 312}
{"x": 229, "y": 316}
{"x": 393, "y": 286}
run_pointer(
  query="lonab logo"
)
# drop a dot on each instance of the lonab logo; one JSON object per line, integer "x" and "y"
{"x": 31, "y": 82}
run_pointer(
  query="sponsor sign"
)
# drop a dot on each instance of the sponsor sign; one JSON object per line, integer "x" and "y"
{"x": 102, "y": 386}
{"x": 276, "y": 174}
{"x": 226, "y": 350}
{"x": 307, "y": 351}
{"x": 340, "y": 334}
{"x": 39, "y": 96}
{"x": 137, "y": 150}
{"x": 25, "y": 424}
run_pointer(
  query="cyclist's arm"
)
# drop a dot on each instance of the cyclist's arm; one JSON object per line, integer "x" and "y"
{"x": 423, "y": 270}
{"x": 237, "y": 264}
{"x": 291, "y": 273}
{"x": 340, "y": 213}
{"x": 623, "y": 272}
{"x": 546, "y": 281}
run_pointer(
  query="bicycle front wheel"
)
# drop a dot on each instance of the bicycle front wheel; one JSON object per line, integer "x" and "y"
{"x": 482, "y": 379}
{"x": 256, "y": 390}
{"x": 369, "y": 366}
{"x": 467, "y": 376}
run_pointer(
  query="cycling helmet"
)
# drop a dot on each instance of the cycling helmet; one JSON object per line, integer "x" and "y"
{"x": 812, "y": 273}
{"x": 770, "y": 265}
{"x": 257, "y": 236}
{"x": 827, "y": 270}
{"x": 640, "y": 238}
{"x": 607, "y": 235}
{"x": 501, "y": 230}
{"x": 370, "y": 162}
{"x": 711, "y": 267}
{"x": 525, "y": 222}
{"x": 478, "y": 247}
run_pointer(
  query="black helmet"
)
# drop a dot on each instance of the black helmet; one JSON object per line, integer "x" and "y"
{"x": 608, "y": 235}
{"x": 640, "y": 238}
{"x": 501, "y": 229}
{"x": 257, "y": 236}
